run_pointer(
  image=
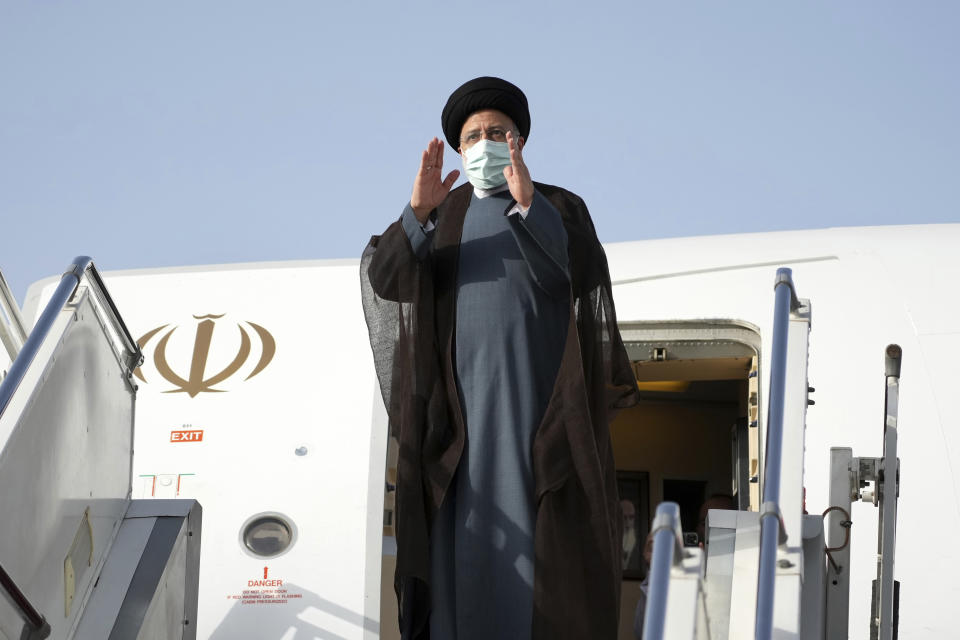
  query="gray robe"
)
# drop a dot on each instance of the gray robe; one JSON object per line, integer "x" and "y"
{"x": 511, "y": 323}
{"x": 410, "y": 307}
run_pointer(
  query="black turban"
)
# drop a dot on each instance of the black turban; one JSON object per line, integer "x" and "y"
{"x": 484, "y": 93}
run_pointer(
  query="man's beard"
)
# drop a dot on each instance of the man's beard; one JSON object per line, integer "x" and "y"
{"x": 629, "y": 541}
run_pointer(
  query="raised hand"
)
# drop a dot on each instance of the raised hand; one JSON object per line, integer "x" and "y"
{"x": 428, "y": 190}
{"x": 517, "y": 175}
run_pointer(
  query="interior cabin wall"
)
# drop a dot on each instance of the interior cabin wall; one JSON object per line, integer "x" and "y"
{"x": 674, "y": 441}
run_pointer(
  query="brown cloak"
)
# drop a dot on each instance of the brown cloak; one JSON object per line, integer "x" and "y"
{"x": 410, "y": 307}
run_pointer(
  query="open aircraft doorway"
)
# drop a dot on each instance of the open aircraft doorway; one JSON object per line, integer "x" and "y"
{"x": 693, "y": 436}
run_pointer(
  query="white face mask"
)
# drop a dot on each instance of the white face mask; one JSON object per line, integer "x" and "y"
{"x": 484, "y": 163}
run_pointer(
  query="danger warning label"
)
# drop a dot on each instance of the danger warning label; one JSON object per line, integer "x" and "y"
{"x": 265, "y": 590}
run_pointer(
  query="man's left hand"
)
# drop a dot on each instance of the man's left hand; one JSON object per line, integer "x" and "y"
{"x": 517, "y": 174}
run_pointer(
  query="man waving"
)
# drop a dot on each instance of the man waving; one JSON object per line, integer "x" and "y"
{"x": 492, "y": 324}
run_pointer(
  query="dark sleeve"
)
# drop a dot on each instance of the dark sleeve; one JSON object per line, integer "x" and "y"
{"x": 396, "y": 256}
{"x": 420, "y": 241}
{"x": 543, "y": 242}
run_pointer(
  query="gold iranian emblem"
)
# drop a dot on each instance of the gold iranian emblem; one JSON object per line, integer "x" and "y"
{"x": 197, "y": 382}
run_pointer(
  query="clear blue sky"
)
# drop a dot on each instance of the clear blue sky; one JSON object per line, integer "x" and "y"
{"x": 171, "y": 133}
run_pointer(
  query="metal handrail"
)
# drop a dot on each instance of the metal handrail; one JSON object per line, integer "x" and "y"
{"x": 100, "y": 290}
{"x": 31, "y": 617}
{"x": 785, "y": 302}
{"x": 81, "y": 267}
{"x": 667, "y": 552}
{"x": 15, "y": 335}
{"x": 887, "y": 491}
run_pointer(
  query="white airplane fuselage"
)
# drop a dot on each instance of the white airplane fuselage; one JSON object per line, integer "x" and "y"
{"x": 258, "y": 398}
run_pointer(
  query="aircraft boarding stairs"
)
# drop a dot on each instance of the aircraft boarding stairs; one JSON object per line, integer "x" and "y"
{"x": 78, "y": 557}
{"x": 771, "y": 574}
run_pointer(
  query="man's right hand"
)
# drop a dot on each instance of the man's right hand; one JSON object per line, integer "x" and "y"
{"x": 428, "y": 190}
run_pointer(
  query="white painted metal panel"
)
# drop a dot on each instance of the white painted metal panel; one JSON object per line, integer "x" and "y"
{"x": 722, "y": 538}
{"x": 812, "y": 616}
{"x": 794, "y": 429}
{"x": 686, "y": 609}
{"x": 743, "y": 586}
{"x": 786, "y": 605}
{"x": 837, "y": 602}
{"x": 67, "y": 434}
